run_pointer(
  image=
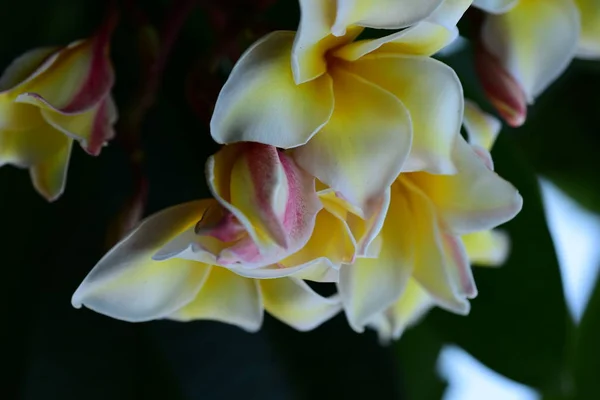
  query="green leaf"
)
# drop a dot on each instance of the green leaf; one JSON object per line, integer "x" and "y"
{"x": 518, "y": 324}
{"x": 586, "y": 362}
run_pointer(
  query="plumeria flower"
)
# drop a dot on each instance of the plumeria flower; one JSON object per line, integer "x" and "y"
{"x": 352, "y": 109}
{"x": 526, "y": 45}
{"x": 51, "y": 96}
{"x": 449, "y": 281}
{"x": 201, "y": 260}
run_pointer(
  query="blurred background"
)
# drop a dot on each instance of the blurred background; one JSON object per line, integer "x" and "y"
{"x": 534, "y": 329}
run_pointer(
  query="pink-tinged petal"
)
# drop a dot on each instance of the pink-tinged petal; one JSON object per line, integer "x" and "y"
{"x": 228, "y": 298}
{"x": 589, "y": 40}
{"x": 482, "y": 128}
{"x": 127, "y": 284}
{"x": 355, "y": 154}
{"x": 406, "y": 312}
{"x": 385, "y": 14}
{"x": 293, "y": 302}
{"x": 269, "y": 195}
{"x": 371, "y": 285}
{"x": 501, "y": 88}
{"x": 260, "y": 102}
{"x": 535, "y": 41}
{"x": 487, "y": 248}
{"x": 495, "y": 6}
{"x": 440, "y": 266}
{"x": 92, "y": 127}
{"x": 475, "y": 199}
{"x": 79, "y": 77}
{"x": 424, "y": 39}
{"x": 49, "y": 176}
{"x": 433, "y": 95}
{"x": 314, "y": 39}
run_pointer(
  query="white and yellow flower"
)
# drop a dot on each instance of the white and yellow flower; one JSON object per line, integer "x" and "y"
{"x": 528, "y": 44}
{"x": 353, "y": 110}
{"x": 200, "y": 260}
{"x": 449, "y": 235}
{"x": 48, "y": 98}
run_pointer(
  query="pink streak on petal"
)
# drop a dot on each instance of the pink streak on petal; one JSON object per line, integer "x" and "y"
{"x": 263, "y": 163}
{"x": 100, "y": 77}
{"x": 243, "y": 252}
{"x": 462, "y": 265}
{"x": 102, "y": 130}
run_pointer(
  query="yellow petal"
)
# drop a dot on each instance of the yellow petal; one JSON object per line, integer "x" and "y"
{"x": 260, "y": 102}
{"x": 482, "y": 128}
{"x": 433, "y": 95}
{"x": 127, "y": 284}
{"x": 423, "y": 39}
{"x": 92, "y": 127}
{"x": 225, "y": 297}
{"x": 441, "y": 265}
{"x": 371, "y": 285}
{"x": 386, "y": 14}
{"x": 406, "y": 312}
{"x": 314, "y": 39}
{"x": 49, "y": 176}
{"x": 25, "y": 148}
{"x": 535, "y": 40}
{"x": 589, "y": 41}
{"x": 487, "y": 248}
{"x": 355, "y": 154}
{"x": 474, "y": 199}
{"x": 296, "y": 304}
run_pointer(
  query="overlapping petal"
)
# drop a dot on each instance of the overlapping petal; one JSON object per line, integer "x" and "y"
{"x": 487, "y": 248}
{"x": 432, "y": 93}
{"x": 589, "y": 40}
{"x": 269, "y": 196}
{"x": 49, "y": 176}
{"x": 482, "y": 128}
{"x": 127, "y": 284}
{"x": 535, "y": 41}
{"x": 473, "y": 200}
{"x": 495, "y": 6}
{"x": 292, "y": 301}
{"x": 370, "y": 285}
{"x": 355, "y": 154}
{"x": 386, "y": 14}
{"x": 260, "y": 102}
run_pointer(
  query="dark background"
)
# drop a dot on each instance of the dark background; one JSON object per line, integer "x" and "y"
{"x": 518, "y": 326}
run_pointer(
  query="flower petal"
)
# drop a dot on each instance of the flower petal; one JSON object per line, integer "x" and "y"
{"x": 26, "y": 67}
{"x": 79, "y": 77}
{"x": 535, "y": 41}
{"x": 355, "y": 154}
{"x": 92, "y": 127}
{"x": 386, "y": 14}
{"x": 589, "y": 41}
{"x": 261, "y": 103}
{"x": 225, "y": 297}
{"x": 495, "y": 6}
{"x": 423, "y": 39}
{"x": 25, "y": 148}
{"x": 49, "y": 176}
{"x": 314, "y": 39}
{"x": 293, "y": 302}
{"x": 487, "y": 248}
{"x": 433, "y": 95}
{"x": 441, "y": 265}
{"x": 482, "y": 128}
{"x": 406, "y": 312}
{"x": 371, "y": 285}
{"x": 319, "y": 271}
{"x": 269, "y": 195}
{"x": 127, "y": 284}
{"x": 475, "y": 199}
{"x": 450, "y": 12}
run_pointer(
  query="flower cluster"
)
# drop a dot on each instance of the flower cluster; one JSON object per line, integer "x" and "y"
{"x": 342, "y": 163}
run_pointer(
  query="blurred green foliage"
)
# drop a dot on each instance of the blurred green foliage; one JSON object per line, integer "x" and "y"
{"x": 519, "y": 325}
